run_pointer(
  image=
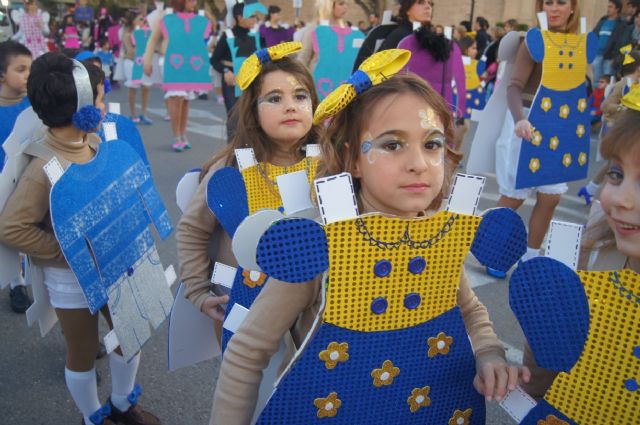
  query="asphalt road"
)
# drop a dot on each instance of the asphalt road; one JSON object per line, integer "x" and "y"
{"x": 32, "y": 388}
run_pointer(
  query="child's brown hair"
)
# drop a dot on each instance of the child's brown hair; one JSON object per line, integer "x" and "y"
{"x": 341, "y": 142}
{"x": 245, "y": 113}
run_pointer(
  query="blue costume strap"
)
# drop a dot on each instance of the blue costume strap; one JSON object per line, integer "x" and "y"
{"x": 535, "y": 44}
{"x": 227, "y": 198}
{"x": 551, "y": 305}
{"x": 135, "y": 393}
{"x": 592, "y": 47}
{"x": 293, "y": 250}
{"x": 500, "y": 240}
{"x": 360, "y": 81}
{"x": 101, "y": 414}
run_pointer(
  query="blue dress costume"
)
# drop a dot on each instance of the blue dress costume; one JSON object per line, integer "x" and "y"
{"x": 583, "y": 325}
{"x": 392, "y": 347}
{"x": 186, "y": 65}
{"x": 232, "y": 195}
{"x": 559, "y": 149}
{"x": 9, "y": 115}
{"x": 140, "y": 37}
{"x": 337, "y": 49}
{"x": 101, "y": 211}
{"x": 241, "y": 49}
{"x": 476, "y": 96}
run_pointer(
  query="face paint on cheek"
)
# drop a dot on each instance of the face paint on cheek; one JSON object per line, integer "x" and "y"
{"x": 437, "y": 158}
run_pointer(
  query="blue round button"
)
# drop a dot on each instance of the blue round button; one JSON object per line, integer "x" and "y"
{"x": 561, "y": 52}
{"x": 631, "y": 385}
{"x": 130, "y": 271}
{"x": 417, "y": 265}
{"x": 281, "y": 209}
{"x": 379, "y": 305}
{"x": 561, "y": 65}
{"x": 636, "y": 351}
{"x": 570, "y": 66}
{"x": 382, "y": 268}
{"x": 570, "y": 54}
{"x": 412, "y": 301}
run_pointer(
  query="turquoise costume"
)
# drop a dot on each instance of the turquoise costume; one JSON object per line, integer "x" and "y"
{"x": 140, "y": 37}
{"x": 241, "y": 49}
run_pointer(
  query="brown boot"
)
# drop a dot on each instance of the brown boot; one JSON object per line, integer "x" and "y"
{"x": 135, "y": 415}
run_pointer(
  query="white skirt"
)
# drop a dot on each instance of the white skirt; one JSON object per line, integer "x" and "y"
{"x": 64, "y": 289}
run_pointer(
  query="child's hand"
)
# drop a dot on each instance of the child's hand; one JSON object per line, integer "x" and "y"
{"x": 148, "y": 69}
{"x": 212, "y": 307}
{"x": 495, "y": 378}
{"x": 524, "y": 129}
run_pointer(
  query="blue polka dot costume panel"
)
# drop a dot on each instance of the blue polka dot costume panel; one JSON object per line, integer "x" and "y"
{"x": 559, "y": 113}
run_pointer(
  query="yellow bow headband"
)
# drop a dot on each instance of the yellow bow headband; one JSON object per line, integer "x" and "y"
{"x": 632, "y": 99}
{"x": 373, "y": 71}
{"x": 626, "y": 51}
{"x": 252, "y": 66}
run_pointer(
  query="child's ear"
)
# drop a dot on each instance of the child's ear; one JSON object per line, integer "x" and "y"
{"x": 355, "y": 171}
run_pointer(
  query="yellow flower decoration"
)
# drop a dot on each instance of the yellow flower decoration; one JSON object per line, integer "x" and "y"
{"x": 252, "y": 66}
{"x": 582, "y": 105}
{"x": 552, "y": 420}
{"x": 564, "y": 111}
{"x": 419, "y": 398}
{"x": 553, "y": 143}
{"x": 537, "y": 138}
{"x": 328, "y": 406}
{"x": 439, "y": 344}
{"x": 334, "y": 354}
{"x": 580, "y": 131}
{"x": 253, "y": 278}
{"x": 385, "y": 375}
{"x": 377, "y": 68}
{"x": 546, "y": 104}
{"x": 534, "y": 165}
{"x": 461, "y": 418}
{"x": 582, "y": 158}
{"x": 632, "y": 99}
{"x": 566, "y": 160}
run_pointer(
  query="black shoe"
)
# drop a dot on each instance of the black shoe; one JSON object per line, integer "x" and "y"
{"x": 102, "y": 350}
{"x": 203, "y": 96}
{"x": 20, "y": 300}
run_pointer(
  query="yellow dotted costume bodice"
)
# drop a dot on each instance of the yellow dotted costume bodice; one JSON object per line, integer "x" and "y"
{"x": 595, "y": 392}
{"x": 472, "y": 79}
{"x": 375, "y": 257}
{"x": 565, "y": 64}
{"x": 262, "y": 188}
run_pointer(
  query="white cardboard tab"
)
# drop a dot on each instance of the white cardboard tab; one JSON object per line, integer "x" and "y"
{"x": 223, "y": 275}
{"x": 53, "y": 170}
{"x": 295, "y": 192}
{"x": 110, "y": 131}
{"x": 312, "y": 150}
{"x": 465, "y": 194}
{"x": 386, "y": 17}
{"x": 111, "y": 341}
{"x": 235, "y": 318}
{"x": 517, "y": 404}
{"x": 542, "y": 18}
{"x": 417, "y": 25}
{"x": 466, "y": 60}
{"x": 563, "y": 243}
{"x": 201, "y": 12}
{"x": 583, "y": 25}
{"x": 448, "y": 33}
{"x": 324, "y": 22}
{"x": 246, "y": 158}
{"x": 170, "y": 275}
{"x": 357, "y": 43}
{"x": 169, "y": 10}
{"x": 114, "y": 107}
{"x": 336, "y": 198}
{"x": 186, "y": 188}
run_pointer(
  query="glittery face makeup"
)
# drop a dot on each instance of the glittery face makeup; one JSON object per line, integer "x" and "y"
{"x": 394, "y": 144}
{"x": 428, "y": 119}
{"x": 300, "y": 98}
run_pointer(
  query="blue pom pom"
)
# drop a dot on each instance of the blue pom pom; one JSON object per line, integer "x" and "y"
{"x": 87, "y": 118}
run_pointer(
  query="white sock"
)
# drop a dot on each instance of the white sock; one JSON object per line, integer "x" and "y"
{"x": 84, "y": 391}
{"x": 592, "y": 188}
{"x": 18, "y": 281}
{"x": 531, "y": 253}
{"x": 123, "y": 378}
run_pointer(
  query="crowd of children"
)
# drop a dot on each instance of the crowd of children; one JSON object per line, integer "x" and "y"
{"x": 376, "y": 306}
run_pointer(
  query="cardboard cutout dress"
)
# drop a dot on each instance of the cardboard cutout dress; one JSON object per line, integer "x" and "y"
{"x": 186, "y": 65}
{"x": 391, "y": 347}
{"x": 585, "y": 326}
{"x": 337, "y": 48}
{"x": 101, "y": 212}
{"x": 476, "y": 96}
{"x": 233, "y": 195}
{"x": 241, "y": 49}
{"x": 559, "y": 150}
{"x": 140, "y": 39}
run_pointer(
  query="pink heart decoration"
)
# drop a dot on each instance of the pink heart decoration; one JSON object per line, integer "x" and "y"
{"x": 139, "y": 60}
{"x": 325, "y": 86}
{"x": 196, "y": 62}
{"x": 176, "y": 60}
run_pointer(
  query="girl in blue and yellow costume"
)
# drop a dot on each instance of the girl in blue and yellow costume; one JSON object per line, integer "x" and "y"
{"x": 592, "y": 343}
{"x": 473, "y": 68}
{"x": 545, "y": 139}
{"x": 276, "y": 111}
{"x": 387, "y": 347}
